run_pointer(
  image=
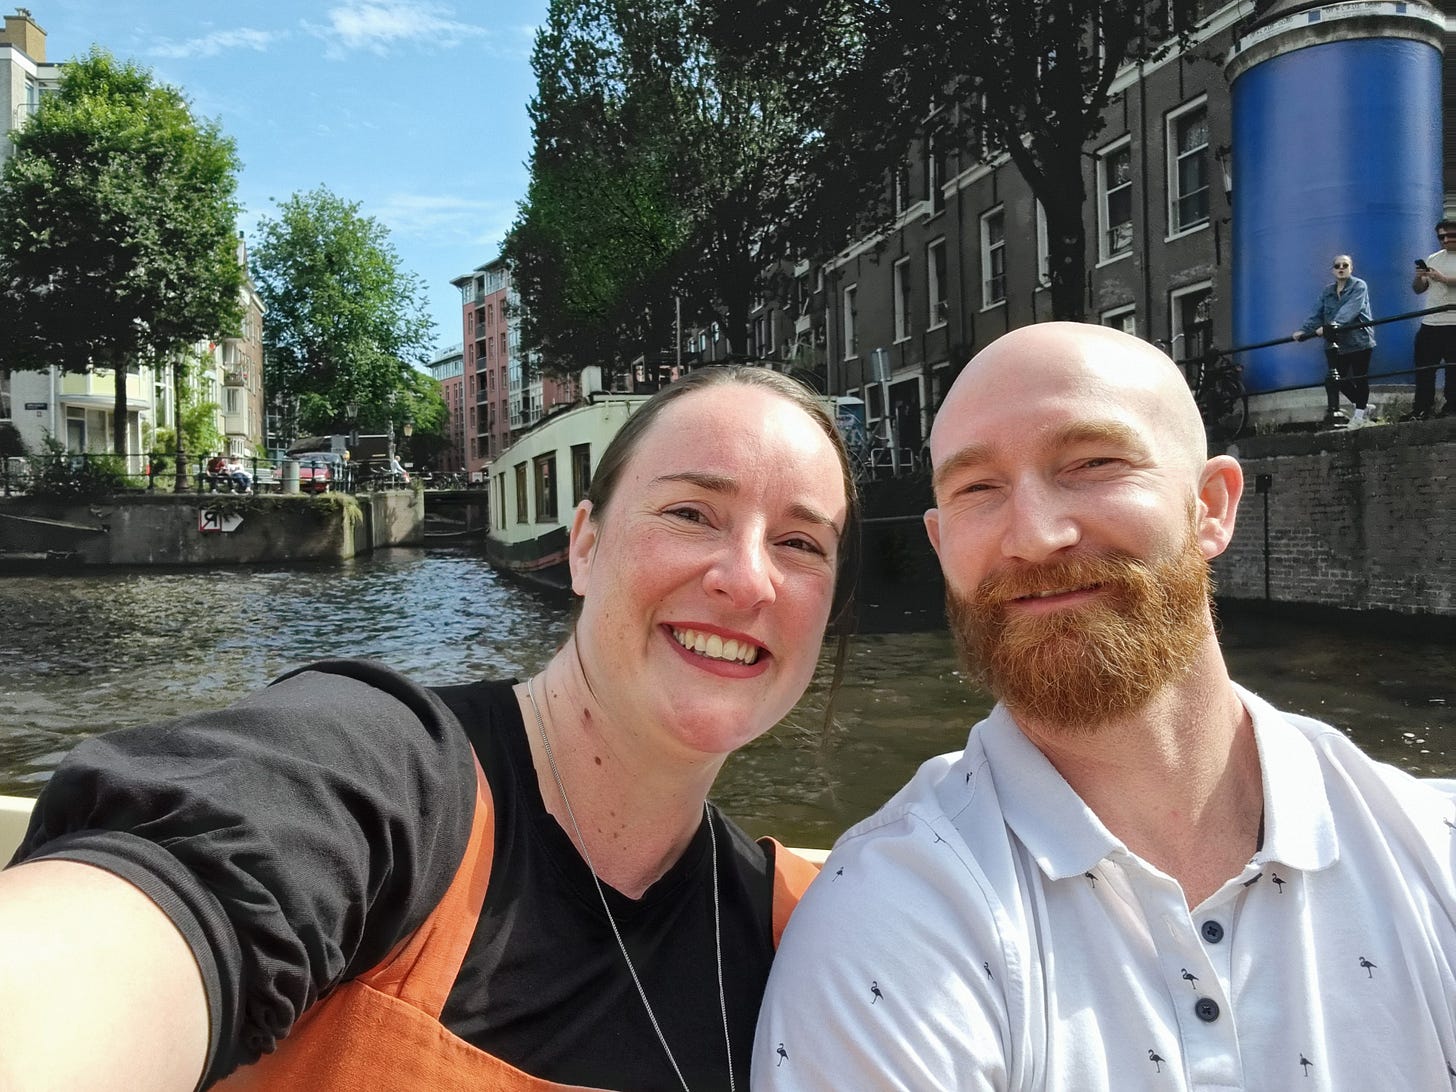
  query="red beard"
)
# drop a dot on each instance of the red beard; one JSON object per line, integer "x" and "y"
{"x": 1078, "y": 669}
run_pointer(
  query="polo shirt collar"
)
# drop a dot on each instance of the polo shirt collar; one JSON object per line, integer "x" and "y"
{"x": 1066, "y": 838}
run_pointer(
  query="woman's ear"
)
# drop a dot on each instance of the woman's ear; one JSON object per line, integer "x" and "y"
{"x": 581, "y": 546}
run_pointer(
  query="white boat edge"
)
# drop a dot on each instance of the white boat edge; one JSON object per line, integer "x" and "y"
{"x": 15, "y": 814}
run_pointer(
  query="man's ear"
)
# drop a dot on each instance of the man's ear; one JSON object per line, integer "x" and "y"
{"x": 581, "y": 546}
{"x": 932, "y": 528}
{"x": 1219, "y": 489}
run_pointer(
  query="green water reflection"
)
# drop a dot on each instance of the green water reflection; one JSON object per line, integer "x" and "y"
{"x": 79, "y": 654}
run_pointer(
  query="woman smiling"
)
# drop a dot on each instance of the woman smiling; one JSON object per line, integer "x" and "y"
{"x": 516, "y": 885}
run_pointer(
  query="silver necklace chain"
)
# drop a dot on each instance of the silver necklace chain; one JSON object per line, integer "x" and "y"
{"x": 616, "y": 932}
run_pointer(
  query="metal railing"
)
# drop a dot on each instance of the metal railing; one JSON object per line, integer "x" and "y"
{"x": 100, "y": 473}
{"x": 1216, "y": 376}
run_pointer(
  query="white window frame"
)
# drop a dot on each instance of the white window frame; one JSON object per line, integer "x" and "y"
{"x": 937, "y": 295}
{"x": 900, "y": 284}
{"x": 989, "y": 251}
{"x": 1105, "y": 253}
{"x": 934, "y": 193}
{"x": 1170, "y": 133}
{"x": 1122, "y": 318}
{"x": 851, "y": 314}
{"x": 1176, "y": 333}
{"x": 1043, "y": 249}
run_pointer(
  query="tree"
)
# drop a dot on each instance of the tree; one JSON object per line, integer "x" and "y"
{"x": 425, "y": 409}
{"x": 117, "y": 222}
{"x": 656, "y": 173}
{"x": 344, "y": 321}
{"x": 1028, "y": 79}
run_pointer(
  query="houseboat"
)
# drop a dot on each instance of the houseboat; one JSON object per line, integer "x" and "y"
{"x": 536, "y": 483}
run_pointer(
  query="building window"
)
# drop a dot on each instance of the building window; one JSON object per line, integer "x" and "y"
{"x": 1043, "y": 249}
{"x": 5, "y": 413}
{"x": 901, "y": 281}
{"x": 1114, "y": 200}
{"x": 1122, "y": 318}
{"x": 1192, "y": 319}
{"x": 851, "y": 314}
{"x": 763, "y": 336}
{"x": 934, "y": 176}
{"x": 500, "y": 501}
{"x": 545, "y": 488}
{"x": 901, "y": 184}
{"x": 1188, "y": 168}
{"x": 936, "y": 287}
{"x": 580, "y": 472}
{"x": 993, "y": 257}
{"x": 523, "y": 514}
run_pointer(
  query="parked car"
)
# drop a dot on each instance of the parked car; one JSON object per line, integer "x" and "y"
{"x": 320, "y": 471}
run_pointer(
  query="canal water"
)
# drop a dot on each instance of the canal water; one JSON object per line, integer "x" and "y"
{"x": 86, "y": 652}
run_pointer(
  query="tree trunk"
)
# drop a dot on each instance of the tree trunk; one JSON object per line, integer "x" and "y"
{"x": 118, "y": 410}
{"x": 1067, "y": 259}
{"x": 179, "y": 482}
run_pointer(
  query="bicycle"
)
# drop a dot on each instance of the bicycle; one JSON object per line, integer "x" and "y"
{"x": 1218, "y": 389}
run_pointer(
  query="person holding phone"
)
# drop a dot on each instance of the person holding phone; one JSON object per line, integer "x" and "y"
{"x": 1343, "y": 301}
{"x": 1436, "y": 339}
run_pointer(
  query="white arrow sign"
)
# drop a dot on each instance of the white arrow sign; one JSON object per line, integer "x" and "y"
{"x": 213, "y": 520}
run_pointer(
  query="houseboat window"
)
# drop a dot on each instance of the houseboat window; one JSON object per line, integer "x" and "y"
{"x": 522, "y": 515}
{"x": 580, "y": 472}
{"x": 545, "y": 488}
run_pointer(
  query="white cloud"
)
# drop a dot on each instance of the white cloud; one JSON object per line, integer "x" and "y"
{"x": 437, "y": 215}
{"x": 376, "y": 25}
{"x": 219, "y": 41}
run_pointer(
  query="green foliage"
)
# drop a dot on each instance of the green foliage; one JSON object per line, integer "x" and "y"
{"x": 344, "y": 321}
{"x": 118, "y": 205}
{"x": 1029, "y": 79}
{"x": 657, "y": 172}
{"x": 199, "y": 427}
{"x": 11, "y": 443}
{"x": 56, "y": 473}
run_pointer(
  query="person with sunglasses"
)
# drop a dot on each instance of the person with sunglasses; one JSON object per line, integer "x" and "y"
{"x": 1343, "y": 301}
{"x": 1436, "y": 339}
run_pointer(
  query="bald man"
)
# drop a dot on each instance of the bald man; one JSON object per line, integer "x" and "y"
{"x": 1137, "y": 875}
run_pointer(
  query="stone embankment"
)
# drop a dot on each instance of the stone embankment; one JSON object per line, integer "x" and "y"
{"x": 207, "y": 529}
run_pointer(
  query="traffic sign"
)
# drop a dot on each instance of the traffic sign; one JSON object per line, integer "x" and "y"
{"x": 213, "y": 521}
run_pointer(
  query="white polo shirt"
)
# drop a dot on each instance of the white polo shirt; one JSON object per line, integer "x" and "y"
{"x": 984, "y": 930}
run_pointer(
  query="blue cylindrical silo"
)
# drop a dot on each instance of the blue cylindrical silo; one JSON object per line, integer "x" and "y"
{"x": 1337, "y": 150}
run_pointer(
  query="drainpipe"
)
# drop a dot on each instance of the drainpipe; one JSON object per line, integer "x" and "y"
{"x": 1147, "y": 221}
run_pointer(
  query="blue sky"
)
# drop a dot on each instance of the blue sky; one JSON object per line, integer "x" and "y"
{"x": 415, "y": 109}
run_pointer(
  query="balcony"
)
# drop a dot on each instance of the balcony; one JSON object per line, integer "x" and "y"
{"x": 234, "y": 377}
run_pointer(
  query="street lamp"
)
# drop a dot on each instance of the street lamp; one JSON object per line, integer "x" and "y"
{"x": 351, "y": 410}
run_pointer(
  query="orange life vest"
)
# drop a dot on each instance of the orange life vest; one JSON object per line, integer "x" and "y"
{"x": 382, "y": 1029}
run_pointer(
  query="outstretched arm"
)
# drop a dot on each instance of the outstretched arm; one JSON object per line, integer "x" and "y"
{"x": 98, "y": 990}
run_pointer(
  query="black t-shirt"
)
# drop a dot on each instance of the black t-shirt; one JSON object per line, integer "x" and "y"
{"x": 544, "y": 985}
{"x": 297, "y": 836}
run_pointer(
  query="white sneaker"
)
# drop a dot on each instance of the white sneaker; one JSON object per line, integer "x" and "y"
{"x": 1358, "y": 419}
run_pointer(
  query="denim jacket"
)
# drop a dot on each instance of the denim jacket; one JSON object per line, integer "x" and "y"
{"x": 1353, "y": 305}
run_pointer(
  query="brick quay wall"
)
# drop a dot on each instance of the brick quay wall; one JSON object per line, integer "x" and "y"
{"x": 1348, "y": 520}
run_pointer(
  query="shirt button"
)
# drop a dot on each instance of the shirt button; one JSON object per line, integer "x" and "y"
{"x": 1206, "y": 1009}
{"x": 1212, "y": 932}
